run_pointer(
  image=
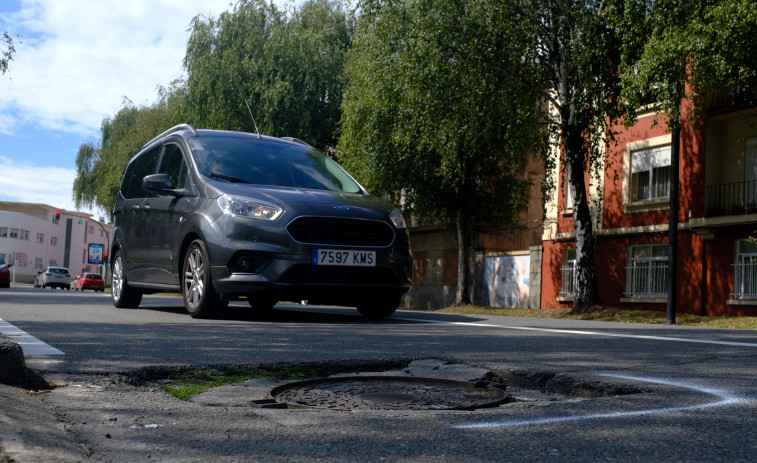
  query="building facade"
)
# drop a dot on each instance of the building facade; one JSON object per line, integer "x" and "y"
{"x": 34, "y": 236}
{"x": 716, "y": 260}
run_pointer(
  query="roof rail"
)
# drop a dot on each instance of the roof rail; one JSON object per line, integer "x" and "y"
{"x": 171, "y": 130}
{"x": 298, "y": 141}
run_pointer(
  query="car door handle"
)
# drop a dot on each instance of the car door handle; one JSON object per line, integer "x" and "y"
{"x": 146, "y": 208}
{"x": 135, "y": 208}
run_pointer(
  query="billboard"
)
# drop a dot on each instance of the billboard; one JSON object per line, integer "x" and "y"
{"x": 95, "y": 254}
{"x": 506, "y": 278}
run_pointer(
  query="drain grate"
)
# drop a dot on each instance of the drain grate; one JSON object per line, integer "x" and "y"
{"x": 385, "y": 393}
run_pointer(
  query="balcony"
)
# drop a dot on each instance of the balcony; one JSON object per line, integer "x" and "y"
{"x": 731, "y": 199}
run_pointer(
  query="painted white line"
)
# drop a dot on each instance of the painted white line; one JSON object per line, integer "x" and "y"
{"x": 29, "y": 344}
{"x": 723, "y": 397}
{"x": 583, "y": 332}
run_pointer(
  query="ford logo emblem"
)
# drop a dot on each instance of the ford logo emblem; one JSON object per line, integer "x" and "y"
{"x": 342, "y": 208}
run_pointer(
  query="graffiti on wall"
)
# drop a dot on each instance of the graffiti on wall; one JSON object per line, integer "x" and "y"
{"x": 507, "y": 281}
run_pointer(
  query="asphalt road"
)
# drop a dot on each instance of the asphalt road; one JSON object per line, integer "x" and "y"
{"x": 693, "y": 389}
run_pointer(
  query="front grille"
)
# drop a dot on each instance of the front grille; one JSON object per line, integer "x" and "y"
{"x": 341, "y": 232}
{"x": 309, "y": 274}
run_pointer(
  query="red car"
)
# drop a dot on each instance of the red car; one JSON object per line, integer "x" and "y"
{"x": 5, "y": 274}
{"x": 91, "y": 281}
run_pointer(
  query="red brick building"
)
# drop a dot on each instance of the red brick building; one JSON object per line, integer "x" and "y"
{"x": 717, "y": 266}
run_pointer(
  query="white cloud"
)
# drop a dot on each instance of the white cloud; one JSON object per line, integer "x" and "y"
{"x": 52, "y": 185}
{"x": 80, "y": 58}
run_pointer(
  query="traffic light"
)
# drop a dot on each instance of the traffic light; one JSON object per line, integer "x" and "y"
{"x": 105, "y": 258}
{"x": 57, "y": 216}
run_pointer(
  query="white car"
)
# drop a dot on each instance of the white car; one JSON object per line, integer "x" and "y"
{"x": 55, "y": 277}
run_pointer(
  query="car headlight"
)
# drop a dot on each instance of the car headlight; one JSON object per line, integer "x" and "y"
{"x": 397, "y": 219}
{"x": 239, "y": 206}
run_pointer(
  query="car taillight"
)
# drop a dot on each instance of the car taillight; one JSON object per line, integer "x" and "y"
{"x": 48, "y": 274}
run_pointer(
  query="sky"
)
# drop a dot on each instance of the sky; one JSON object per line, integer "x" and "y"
{"x": 75, "y": 62}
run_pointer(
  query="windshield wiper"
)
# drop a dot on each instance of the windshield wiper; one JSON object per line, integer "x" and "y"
{"x": 229, "y": 179}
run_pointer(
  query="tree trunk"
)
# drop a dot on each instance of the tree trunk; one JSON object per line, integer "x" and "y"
{"x": 587, "y": 294}
{"x": 463, "y": 265}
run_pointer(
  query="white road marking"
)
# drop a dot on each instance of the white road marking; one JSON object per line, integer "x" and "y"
{"x": 29, "y": 344}
{"x": 724, "y": 398}
{"x": 585, "y": 333}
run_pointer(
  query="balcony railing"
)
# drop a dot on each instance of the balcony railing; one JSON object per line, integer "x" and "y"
{"x": 731, "y": 97}
{"x": 731, "y": 199}
{"x": 647, "y": 279}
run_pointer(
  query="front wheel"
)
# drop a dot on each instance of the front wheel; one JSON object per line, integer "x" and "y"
{"x": 123, "y": 295}
{"x": 380, "y": 305}
{"x": 200, "y": 298}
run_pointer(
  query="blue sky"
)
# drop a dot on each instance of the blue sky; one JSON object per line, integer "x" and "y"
{"x": 75, "y": 62}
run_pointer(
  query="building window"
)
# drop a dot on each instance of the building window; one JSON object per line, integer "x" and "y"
{"x": 24, "y": 235}
{"x": 53, "y": 263}
{"x": 54, "y": 240}
{"x": 13, "y": 233}
{"x": 745, "y": 271}
{"x": 568, "y": 271}
{"x": 38, "y": 263}
{"x": 650, "y": 173}
{"x": 3, "y": 232}
{"x": 646, "y": 274}
{"x": 40, "y": 238}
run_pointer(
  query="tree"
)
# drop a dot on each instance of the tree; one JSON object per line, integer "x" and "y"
{"x": 573, "y": 65}
{"x": 6, "y": 52}
{"x": 288, "y": 68}
{"x": 427, "y": 115}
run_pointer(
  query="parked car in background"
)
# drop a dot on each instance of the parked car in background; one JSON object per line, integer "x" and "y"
{"x": 55, "y": 277}
{"x": 5, "y": 274}
{"x": 91, "y": 281}
{"x": 222, "y": 216}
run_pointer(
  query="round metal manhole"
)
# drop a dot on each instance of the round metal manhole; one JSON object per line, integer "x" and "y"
{"x": 387, "y": 393}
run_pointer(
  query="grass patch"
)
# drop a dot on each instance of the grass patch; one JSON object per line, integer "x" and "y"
{"x": 612, "y": 315}
{"x": 183, "y": 385}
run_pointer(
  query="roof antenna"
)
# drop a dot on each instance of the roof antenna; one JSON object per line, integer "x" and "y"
{"x": 253, "y": 119}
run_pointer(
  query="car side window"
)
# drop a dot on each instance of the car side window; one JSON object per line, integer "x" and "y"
{"x": 172, "y": 163}
{"x": 144, "y": 165}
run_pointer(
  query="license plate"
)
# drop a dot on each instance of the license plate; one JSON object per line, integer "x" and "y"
{"x": 347, "y": 258}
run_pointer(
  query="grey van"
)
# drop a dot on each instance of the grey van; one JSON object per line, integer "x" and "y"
{"x": 222, "y": 216}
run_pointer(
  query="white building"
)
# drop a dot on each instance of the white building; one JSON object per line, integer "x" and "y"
{"x": 33, "y": 236}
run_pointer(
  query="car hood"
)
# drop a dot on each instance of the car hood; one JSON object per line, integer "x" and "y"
{"x": 317, "y": 201}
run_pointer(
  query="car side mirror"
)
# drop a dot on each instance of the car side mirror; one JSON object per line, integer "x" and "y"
{"x": 161, "y": 184}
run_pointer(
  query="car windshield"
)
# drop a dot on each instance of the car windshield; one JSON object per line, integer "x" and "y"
{"x": 92, "y": 276}
{"x": 60, "y": 271}
{"x": 268, "y": 162}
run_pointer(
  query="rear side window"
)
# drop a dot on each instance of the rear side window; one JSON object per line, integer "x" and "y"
{"x": 144, "y": 165}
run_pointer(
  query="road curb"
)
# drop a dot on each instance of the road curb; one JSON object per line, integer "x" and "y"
{"x": 12, "y": 365}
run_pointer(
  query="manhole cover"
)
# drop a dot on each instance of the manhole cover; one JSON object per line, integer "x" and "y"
{"x": 385, "y": 393}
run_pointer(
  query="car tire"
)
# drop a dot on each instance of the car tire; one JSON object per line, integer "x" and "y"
{"x": 124, "y": 296}
{"x": 200, "y": 297}
{"x": 261, "y": 302}
{"x": 379, "y": 305}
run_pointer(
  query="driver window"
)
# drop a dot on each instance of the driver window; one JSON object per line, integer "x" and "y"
{"x": 172, "y": 163}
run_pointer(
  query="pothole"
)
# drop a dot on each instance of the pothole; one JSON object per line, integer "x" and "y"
{"x": 386, "y": 393}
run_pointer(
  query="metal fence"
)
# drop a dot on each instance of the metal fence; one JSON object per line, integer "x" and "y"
{"x": 647, "y": 279}
{"x": 745, "y": 280}
{"x": 568, "y": 287}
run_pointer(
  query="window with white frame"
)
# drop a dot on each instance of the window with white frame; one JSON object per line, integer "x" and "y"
{"x": 3, "y": 232}
{"x": 53, "y": 241}
{"x": 41, "y": 238}
{"x": 13, "y": 233}
{"x": 38, "y": 263}
{"x": 650, "y": 173}
{"x": 568, "y": 272}
{"x": 24, "y": 235}
{"x": 646, "y": 274}
{"x": 745, "y": 271}
{"x": 568, "y": 191}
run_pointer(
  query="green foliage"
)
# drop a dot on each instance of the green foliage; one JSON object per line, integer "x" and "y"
{"x": 428, "y": 113}
{"x": 288, "y": 68}
{"x": 100, "y": 165}
{"x": 709, "y": 45}
{"x": 6, "y": 52}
